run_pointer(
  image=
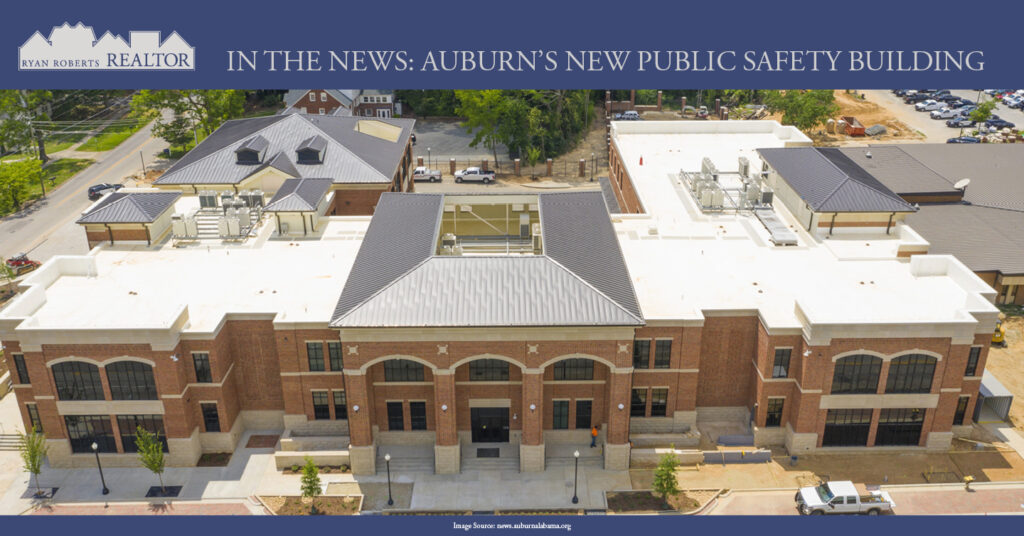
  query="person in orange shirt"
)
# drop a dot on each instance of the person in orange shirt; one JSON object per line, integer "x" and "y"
{"x": 593, "y": 437}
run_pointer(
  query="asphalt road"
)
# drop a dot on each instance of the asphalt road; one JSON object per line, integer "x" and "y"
{"x": 47, "y": 228}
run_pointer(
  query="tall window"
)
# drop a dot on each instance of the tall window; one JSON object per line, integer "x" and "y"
{"x": 961, "y": 410}
{"x": 340, "y": 407}
{"x": 396, "y": 421}
{"x": 129, "y": 426}
{"x": 483, "y": 370}
{"x": 910, "y": 374}
{"x": 972, "y": 361}
{"x": 659, "y": 402}
{"x": 83, "y": 430}
{"x": 846, "y": 427}
{"x": 641, "y": 353}
{"x": 334, "y": 352}
{"x": 403, "y": 370}
{"x": 774, "y": 416}
{"x": 780, "y": 367}
{"x": 315, "y": 353}
{"x": 584, "y": 408}
{"x": 321, "y": 410}
{"x": 131, "y": 380}
{"x": 323, "y": 97}
{"x": 211, "y": 419}
{"x": 201, "y": 362}
{"x": 560, "y": 414}
{"x": 856, "y": 374}
{"x": 76, "y": 380}
{"x": 900, "y": 426}
{"x": 574, "y": 369}
{"x": 20, "y": 368}
{"x": 662, "y": 353}
{"x": 417, "y": 415}
{"x": 33, "y": 417}
{"x": 638, "y": 403}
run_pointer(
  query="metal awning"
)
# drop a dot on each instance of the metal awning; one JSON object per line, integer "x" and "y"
{"x": 994, "y": 396}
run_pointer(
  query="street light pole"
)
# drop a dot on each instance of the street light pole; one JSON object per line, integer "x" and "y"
{"x": 593, "y": 165}
{"x": 387, "y": 462}
{"x": 428, "y": 158}
{"x": 143, "y": 160}
{"x": 576, "y": 477}
{"x": 96, "y": 451}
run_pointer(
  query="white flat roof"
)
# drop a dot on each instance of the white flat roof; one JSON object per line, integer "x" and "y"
{"x": 696, "y": 263}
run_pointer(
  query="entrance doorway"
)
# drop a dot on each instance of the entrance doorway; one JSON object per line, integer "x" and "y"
{"x": 490, "y": 425}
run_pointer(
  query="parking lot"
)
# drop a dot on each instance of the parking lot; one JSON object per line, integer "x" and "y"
{"x": 935, "y": 130}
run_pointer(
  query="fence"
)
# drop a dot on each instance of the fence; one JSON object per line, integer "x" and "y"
{"x": 566, "y": 168}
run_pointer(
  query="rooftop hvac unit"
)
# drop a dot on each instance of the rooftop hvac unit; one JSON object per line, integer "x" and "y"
{"x": 234, "y": 228}
{"x": 652, "y": 229}
{"x": 753, "y": 194}
{"x": 448, "y": 240}
{"x": 744, "y": 167}
{"x": 207, "y": 199}
{"x": 191, "y": 228}
{"x": 466, "y": 208}
{"x": 517, "y": 207}
{"x": 534, "y": 207}
{"x": 717, "y": 198}
{"x": 766, "y": 198}
{"x": 449, "y": 208}
{"x": 177, "y": 225}
{"x": 538, "y": 244}
{"x": 256, "y": 198}
{"x": 447, "y": 250}
{"x": 222, "y": 226}
{"x": 708, "y": 167}
{"x": 243, "y": 216}
{"x": 457, "y": 250}
{"x": 243, "y": 196}
{"x": 705, "y": 198}
{"x": 524, "y": 225}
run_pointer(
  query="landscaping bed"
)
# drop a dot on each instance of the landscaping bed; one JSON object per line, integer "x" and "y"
{"x": 631, "y": 502}
{"x": 214, "y": 459}
{"x": 331, "y": 506}
{"x": 324, "y": 469}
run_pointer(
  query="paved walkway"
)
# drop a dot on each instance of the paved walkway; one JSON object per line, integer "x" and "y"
{"x": 235, "y": 508}
{"x": 1006, "y": 433}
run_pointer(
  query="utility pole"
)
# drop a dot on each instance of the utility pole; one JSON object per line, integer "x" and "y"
{"x": 143, "y": 160}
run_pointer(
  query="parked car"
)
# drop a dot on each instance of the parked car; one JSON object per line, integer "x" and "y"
{"x": 421, "y": 173}
{"x": 628, "y": 115}
{"x": 916, "y": 97}
{"x": 474, "y": 174}
{"x": 960, "y": 122}
{"x": 946, "y": 98}
{"x": 962, "y": 102}
{"x": 928, "y": 105}
{"x": 1013, "y": 101}
{"x": 97, "y": 191}
{"x": 842, "y": 497}
{"x": 944, "y": 113}
{"x": 964, "y": 139}
{"x": 999, "y": 123}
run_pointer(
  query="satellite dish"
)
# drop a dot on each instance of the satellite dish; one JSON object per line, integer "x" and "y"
{"x": 961, "y": 184}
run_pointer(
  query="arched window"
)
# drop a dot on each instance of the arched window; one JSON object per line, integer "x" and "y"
{"x": 577, "y": 368}
{"x": 483, "y": 370}
{"x": 911, "y": 373}
{"x": 402, "y": 370}
{"x": 131, "y": 380}
{"x": 856, "y": 374}
{"x": 77, "y": 380}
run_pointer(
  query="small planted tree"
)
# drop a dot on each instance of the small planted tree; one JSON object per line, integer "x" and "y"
{"x": 33, "y": 450}
{"x": 665, "y": 483}
{"x": 151, "y": 454}
{"x": 310, "y": 483}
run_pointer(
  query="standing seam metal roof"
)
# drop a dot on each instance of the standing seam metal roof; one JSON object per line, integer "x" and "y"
{"x": 299, "y": 195}
{"x": 135, "y": 207}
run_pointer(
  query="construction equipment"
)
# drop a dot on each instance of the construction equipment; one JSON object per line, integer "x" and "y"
{"x": 21, "y": 264}
{"x": 999, "y": 335}
{"x": 702, "y": 112}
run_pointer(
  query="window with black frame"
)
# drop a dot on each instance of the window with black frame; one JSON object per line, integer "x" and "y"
{"x": 211, "y": 417}
{"x": 321, "y": 410}
{"x": 846, "y": 428}
{"x": 575, "y": 369}
{"x": 662, "y": 353}
{"x": 856, "y": 374}
{"x": 780, "y": 367}
{"x": 492, "y": 370}
{"x": 900, "y": 426}
{"x": 638, "y": 403}
{"x": 911, "y": 373}
{"x": 584, "y": 409}
{"x": 201, "y": 364}
{"x": 396, "y": 419}
{"x": 76, "y": 380}
{"x": 560, "y": 414}
{"x": 403, "y": 370}
{"x": 659, "y": 402}
{"x": 417, "y": 415}
{"x": 641, "y": 353}
{"x": 972, "y": 361}
{"x": 129, "y": 426}
{"x": 21, "y": 369}
{"x": 33, "y": 417}
{"x": 83, "y": 430}
{"x": 773, "y": 416}
{"x": 961, "y": 410}
{"x": 131, "y": 380}
{"x": 315, "y": 354}
{"x": 340, "y": 406}
{"x": 334, "y": 353}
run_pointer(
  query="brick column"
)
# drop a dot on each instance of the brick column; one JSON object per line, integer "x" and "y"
{"x": 419, "y": 161}
{"x": 362, "y": 451}
{"x": 446, "y": 447}
{"x": 616, "y": 448}
{"x": 550, "y": 163}
{"x": 531, "y": 450}
{"x": 659, "y": 100}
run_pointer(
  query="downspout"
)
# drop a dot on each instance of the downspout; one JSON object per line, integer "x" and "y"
{"x": 278, "y": 217}
{"x": 303, "y": 226}
{"x": 149, "y": 237}
{"x": 195, "y": 190}
{"x": 833, "y": 224}
{"x": 889, "y": 226}
{"x": 110, "y": 233}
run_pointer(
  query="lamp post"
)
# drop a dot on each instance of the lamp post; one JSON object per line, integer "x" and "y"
{"x": 96, "y": 451}
{"x": 593, "y": 165}
{"x": 387, "y": 462}
{"x": 576, "y": 477}
{"x": 428, "y": 158}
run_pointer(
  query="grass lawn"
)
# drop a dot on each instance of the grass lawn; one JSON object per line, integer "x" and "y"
{"x": 178, "y": 151}
{"x": 111, "y": 137}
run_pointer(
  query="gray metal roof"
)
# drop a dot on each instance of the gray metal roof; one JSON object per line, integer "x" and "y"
{"x": 350, "y": 157}
{"x": 344, "y": 96}
{"x": 996, "y": 170}
{"x": 581, "y": 279}
{"x": 899, "y": 171}
{"x": 136, "y": 207}
{"x": 609, "y": 195}
{"x": 256, "y": 143}
{"x": 829, "y": 181}
{"x": 985, "y": 239}
{"x": 299, "y": 195}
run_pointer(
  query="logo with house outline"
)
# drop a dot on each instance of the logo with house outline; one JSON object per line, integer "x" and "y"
{"x": 75, "y": 48}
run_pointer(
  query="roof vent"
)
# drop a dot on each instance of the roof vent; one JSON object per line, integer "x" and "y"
{"x": 311, "y": 151}
{"x": 868, "y": 154}
{"x": 252, "y": 151}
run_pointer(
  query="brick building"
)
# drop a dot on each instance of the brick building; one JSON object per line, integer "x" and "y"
{"x": 342, "y": 102}
{"x": 444, "y": 323}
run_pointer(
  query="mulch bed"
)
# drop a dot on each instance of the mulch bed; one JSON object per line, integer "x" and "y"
{"x": 330, "y": 506}
{"x": 258, "y": 441}
{"x": 324, "y": 469}
{"x": 214, "y": 459}
{"x": 646, "y": 501}
{"x": 166, "y": 491}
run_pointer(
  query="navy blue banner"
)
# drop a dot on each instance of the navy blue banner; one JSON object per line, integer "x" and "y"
{"x": 520, "y": 44}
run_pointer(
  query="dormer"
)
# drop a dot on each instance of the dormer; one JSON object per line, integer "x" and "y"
{"x": 252, "y": 151}
{"x": 311, "y": 151}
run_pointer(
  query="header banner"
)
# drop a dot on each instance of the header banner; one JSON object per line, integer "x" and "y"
{"x": 526, "y": 44}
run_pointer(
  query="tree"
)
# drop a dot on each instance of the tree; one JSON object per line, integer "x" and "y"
{"x": 177, "y": 131}
{"x": 665, "y": 482}
{"x": 19, "y": 108}
{"x": 33, "y": 450}
{"x": 482, "y": 110}
{"x": 151, "y": 453}
{"x": 16, "y": 180}
{"x": 7, "y": 275}
{"x": 803, "y": 108}
{"x": 202, "y": 108}
{"x": 310, "y": 482}
{"x": 983, "y": 112}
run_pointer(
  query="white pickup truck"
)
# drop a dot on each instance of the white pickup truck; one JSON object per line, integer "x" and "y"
{"x": 842, "y": 497}
{"x": 421, "y": 173}
{"x": 474, "y": 174}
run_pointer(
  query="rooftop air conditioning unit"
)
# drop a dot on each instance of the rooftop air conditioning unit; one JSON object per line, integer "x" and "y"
{"x": 447, "y": 250}
{"x": 449, "y": 208}
{"x": 744, "y": 167}
{"x": 766, "y": 198}
{"x": 177, "y": 225}
{"x": 466, "y": 208}
{"x": 457, "y": 250}
{"x": 652, "y": 230}
{"x": 448, "y": 240}
{"x": 517, "y": 207}
{"x": 524, "y": 225}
